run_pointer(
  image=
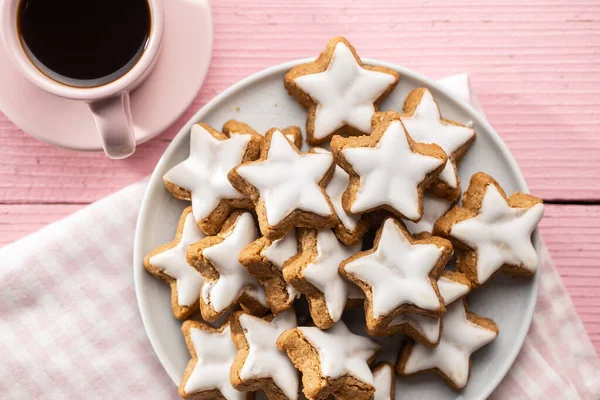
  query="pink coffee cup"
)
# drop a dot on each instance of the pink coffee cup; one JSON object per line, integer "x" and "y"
{"x": 108, "y": 103}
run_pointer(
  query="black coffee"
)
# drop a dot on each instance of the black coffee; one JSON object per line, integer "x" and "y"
{"x": 84, "y": 42}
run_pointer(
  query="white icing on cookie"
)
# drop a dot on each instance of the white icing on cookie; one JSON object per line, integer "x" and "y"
{"x": 383, "y": 378}
{"x": 335, "y": 189}
{"x": 280, "y": 251}
{"x": 264, "y": 359}
{"x": 460, "y": 338}
{"x": 289, "y": 181}
{"x": 322, "y": 272}
{"x": 342, "y": 352}
{"x": 427, "y": 326}
{"x": 398, "y": 272}
{"x": 233, "y": 276}
{"x": 344, "y": 93}
{"x": 389, "y": 173}
{"x": 173, "y": 263}
{"x": 204, "y": 172}
{"x": 425, "y": 126}
{"x": 216, "y": 353}
{"x": 500, "y": 234}
{"x": 451, "y": 290}
{"x": 433, "y": 209}
{"x": 289, "y": 136}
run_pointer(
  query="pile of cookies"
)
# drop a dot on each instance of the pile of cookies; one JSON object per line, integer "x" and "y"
{"x": 373, "y": 222}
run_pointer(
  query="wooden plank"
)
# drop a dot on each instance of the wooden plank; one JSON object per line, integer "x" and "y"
{"x": 534, "y": 66}
{"x": 17, "y": 221}
{"x": 572, "y": 234}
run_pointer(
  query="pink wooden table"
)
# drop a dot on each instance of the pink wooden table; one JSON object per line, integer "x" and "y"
{"x": 534, "y": 66}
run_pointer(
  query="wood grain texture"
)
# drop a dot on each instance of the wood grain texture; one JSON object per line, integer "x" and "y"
{"x": 19, "y": 220}
{"x": 534, "y": 66}
{"x": 572, "y": 234}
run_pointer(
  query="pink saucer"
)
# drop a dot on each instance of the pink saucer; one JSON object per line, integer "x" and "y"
{"x": 171, "y": 87}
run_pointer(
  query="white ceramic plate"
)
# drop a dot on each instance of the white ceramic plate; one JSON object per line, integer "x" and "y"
{"x": 262, "y": 101}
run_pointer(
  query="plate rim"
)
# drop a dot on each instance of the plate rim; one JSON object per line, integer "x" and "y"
{"x": 475, "y": 115}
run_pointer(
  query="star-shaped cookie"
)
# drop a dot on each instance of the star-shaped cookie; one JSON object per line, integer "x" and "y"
{"x": 384, "y": 381}
{"x": 264, "y": 259}
{"x": 207, "y": 374}
{"x": 168, "y": 263}
{"x": 399, "y": 274}
{"x": 349, "y": 228}
{"x": 202, "y": 177}
{"x": 287, "y": 186}
{"x": 426, "y": 330}
{"x": 433, "y": 208}
{"x": 493, "y": 230}
{"x": 227, "y": 281}
{"x": 462, "y": 335}
{"x": 388, "y": 169}
{"x": 314, "y": 273}
{"x": 233, "y": 127}
{"x": 340, "y": 92}
{"x": 259, "y": 364}
{"x": 424, "y": 123}
{"x": 333, "y": 362}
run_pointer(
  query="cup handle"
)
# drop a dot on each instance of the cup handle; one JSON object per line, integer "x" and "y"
{"x": 115, "y": 125}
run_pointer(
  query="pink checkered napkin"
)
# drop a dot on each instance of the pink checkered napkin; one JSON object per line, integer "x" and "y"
{"x": 70, "y": 327}
{"x": 69, "y": 323}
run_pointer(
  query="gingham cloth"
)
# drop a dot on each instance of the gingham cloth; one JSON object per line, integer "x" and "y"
{"x": 70, "y": 326}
